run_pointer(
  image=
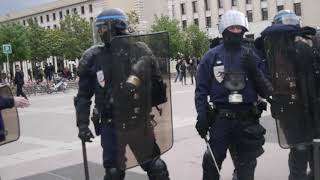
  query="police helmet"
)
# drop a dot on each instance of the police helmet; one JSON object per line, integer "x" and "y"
{"x": 286, "y": 17}
{"x": 112, "y": 19}
{"x": 233, "y": 18}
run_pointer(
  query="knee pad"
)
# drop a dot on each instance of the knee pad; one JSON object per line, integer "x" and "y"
{"x": 114, "y": 174}
{"x": 157, "y": 170}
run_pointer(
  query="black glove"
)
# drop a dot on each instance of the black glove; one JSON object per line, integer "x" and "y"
{"x": 202, "y": 126}
{"x": 85, "y": 133}
{"x": 249, "y": 65}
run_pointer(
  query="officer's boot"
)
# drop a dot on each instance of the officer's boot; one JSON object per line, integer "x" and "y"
{"x": 246, "y": 169}
{"x": 298, "y": 163}
{"x": 114, "y": 174}
{"x": 156, "y": 169}
{"x": 209, "y": 169}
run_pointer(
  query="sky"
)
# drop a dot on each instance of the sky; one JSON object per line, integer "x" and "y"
{"x": 16, "y": 5}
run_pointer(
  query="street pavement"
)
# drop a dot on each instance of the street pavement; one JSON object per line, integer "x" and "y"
{"x": 49, "y": 149}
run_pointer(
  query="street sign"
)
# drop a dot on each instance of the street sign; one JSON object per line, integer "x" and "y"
{"x": 6, "y": 48}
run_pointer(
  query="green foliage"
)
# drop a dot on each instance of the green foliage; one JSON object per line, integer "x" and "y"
{"x": 78, "y": 36}
{"x": 176, "y": 36}
{"x": 56, "y": 39}
{"x": 133, "y": 21}
{"x": 15, "y": 35}
{"x": 191, "y": 42}
{"x": 37, "y": 42}
{"x": 198, "y": 41}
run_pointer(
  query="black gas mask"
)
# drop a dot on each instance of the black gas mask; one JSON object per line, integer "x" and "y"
{"x": 232, "y": 39}
{"x": 106, "y": 32}
{"x": 234, "y": 82}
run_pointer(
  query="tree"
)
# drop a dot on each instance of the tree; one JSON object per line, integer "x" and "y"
{"x": 15, "y": 35}
{"x": 37, "y": 42}
{"x": 77, "y": 36}
{"x": 133, "y": 21}
{"x": 164, "y": 23}
{"x": 56, "y": 39}
{"x": 197, "y": 40}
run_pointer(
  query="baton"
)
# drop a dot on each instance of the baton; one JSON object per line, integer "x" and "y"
{"x": 213, "y": 158}
{"x": 85, "y": 161}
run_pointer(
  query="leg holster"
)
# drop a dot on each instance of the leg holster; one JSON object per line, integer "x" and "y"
{"x": 114, "y": 174}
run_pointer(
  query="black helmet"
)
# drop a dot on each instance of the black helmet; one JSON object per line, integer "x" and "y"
{"x": 114, "y": 20}
{"x": 286, "y": 17}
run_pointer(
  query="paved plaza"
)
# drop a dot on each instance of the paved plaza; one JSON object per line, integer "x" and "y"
{"x": 49, "y": 148}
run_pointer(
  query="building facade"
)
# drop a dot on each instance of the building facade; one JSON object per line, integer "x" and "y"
{"x": 206, "y": 13}
{"x": 49, "y": 15}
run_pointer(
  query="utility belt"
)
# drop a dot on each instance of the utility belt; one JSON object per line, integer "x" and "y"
{"x": 253, "y": 113}
{"x": 228, "y": 114}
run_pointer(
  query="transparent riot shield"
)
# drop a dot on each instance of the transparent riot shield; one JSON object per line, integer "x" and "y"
{"x": 141, "y": 97}
{"x": 9, "y": 121}
{"x": 290, "y": 105}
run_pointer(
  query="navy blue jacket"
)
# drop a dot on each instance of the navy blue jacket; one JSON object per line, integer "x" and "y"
{"x": 5, "y": 102}
{"x": 207, "y": 84}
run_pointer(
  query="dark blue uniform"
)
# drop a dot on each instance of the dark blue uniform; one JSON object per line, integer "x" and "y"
{"x": 235, "y": 124}
{"x": 95, "y": 78}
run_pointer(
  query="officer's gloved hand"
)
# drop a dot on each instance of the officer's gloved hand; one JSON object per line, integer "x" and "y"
{"x": 249, "y": 64}
{"x": 85, "y": 133}
{"x": 202, "y": 125}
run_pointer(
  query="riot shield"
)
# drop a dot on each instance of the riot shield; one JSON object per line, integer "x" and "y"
{"x": 142, "y": 114}
{"x": 290, "y": 98}
{"x": 9, "y": 121}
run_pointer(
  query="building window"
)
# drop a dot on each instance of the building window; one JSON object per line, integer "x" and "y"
{"x": 75, "y": 11}
{"x": 82, "y": 9}
{"x": 220, "y": 16}
{"x": 24, "y": 22}
{"x": 208, "y": 22}
{"x": 206, "y": 5}
{"x": 41, "y": 19}
{"x": 184, "y": 24}
{"x": 182, "y": 9}
{"x": 297, "y": 8}
{"x": 248, "y": 1}
{"x": 60, "y": 15}
{"x": 220, "y": 5}
{"x": 90, "y": 8}
{"x": 280, "y": 7}
{"x": 264, "y": 12}
{"x": 196, "y": 22}
{"x": 194, "y": 7}
{"x": 234, "y": 2}
{"x": 173, "y": 11}
{"x": 55, "y": 26}
{"x": 249, "y": 16}
{"x": 54, "y": 16}
{"x": 48, "y": 19}
{"x": 263, "y": 0}
{"x": 67, "y": 12}
{"x": 250, "y": 36}
{"x": 35, "y": 19}
{"x": 48, "y": 27}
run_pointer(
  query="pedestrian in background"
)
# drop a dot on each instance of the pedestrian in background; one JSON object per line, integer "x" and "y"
{"x": 183, "y": 72}
{"x": 19, "y": 81}
{"x": 178, "y": 70}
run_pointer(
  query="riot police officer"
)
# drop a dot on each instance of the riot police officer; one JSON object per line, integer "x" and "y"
{"x": 97, "y": 75}
{"x": 292, "y": 62}
{"x": 230, "y": 75}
